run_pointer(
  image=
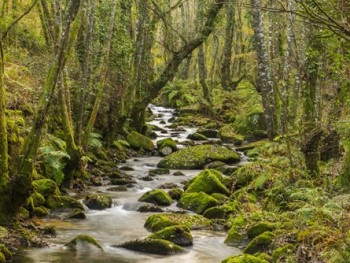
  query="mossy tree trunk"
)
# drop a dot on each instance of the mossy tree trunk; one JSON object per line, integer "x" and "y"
{"x": 227, "y": 49}
{"x": 264, "y": 70}
{"x": 22, "y": 180}
{"x": 103, "y": 74}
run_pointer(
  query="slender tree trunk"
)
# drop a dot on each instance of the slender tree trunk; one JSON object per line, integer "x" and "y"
{"x": 22, "y": 181}
{"x": 227, "y": 49}
{"x": 102, "y": 76}
{"x": 264, "y": 70}
{"x": 85, "y": 71}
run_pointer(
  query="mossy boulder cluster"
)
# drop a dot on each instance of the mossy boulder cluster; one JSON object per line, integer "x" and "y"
{"x": 47, "y": 197}
{"x": 196, "y": 157}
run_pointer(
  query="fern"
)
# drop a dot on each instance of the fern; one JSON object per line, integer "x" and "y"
{"x": 95, "y": 140}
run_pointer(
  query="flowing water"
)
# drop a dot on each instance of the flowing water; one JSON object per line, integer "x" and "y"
{"x": 123, "y": 223}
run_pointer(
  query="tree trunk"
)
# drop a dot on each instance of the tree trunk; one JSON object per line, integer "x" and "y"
{"x": 102, "y": 75}
{"x": 227, "y": 49}
{"x": 22, "y": 181}
{"x": 264, "y": 70}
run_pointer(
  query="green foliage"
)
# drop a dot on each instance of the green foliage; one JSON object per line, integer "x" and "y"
{"x": 175, "y": 94}
{"x": 95, "y": 140}
{"x": 54, "y": 155}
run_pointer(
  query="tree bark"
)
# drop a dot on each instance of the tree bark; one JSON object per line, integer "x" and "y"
{"x": 264, "y": 70}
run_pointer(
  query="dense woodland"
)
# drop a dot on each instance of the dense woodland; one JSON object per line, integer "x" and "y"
{"x": 271, "y": 78}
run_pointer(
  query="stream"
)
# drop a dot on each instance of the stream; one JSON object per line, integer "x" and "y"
{"x": 122, "y": 222}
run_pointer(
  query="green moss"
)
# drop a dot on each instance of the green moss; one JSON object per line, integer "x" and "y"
{"x": 219, "y": 212}
{"x": 37, "y": 199}
{"x": 249, "y": 146}
{"x": 220, "y": 197}
{"x": 180, "y": 235}
{"x": 245, "y": 174}
{"x": 22, "y": 214}
{"x": 40, "y": 211}
{"x": 227, "y": 134}
{"x": 160, "y": 221}
{"x": 236, "y": 234}
{"x": 175, "y": 193}
{"x": 259, "y": 243}
{"x": 76, "y": 213}
{"x": 196, "y": 157}
{"x": 157, "y": 197}
{"x": 5, "y": 252}
{"x": 152, "y": 246}
{"x": 243, "y": 196}
{"x": 244, "y": 259}
{"x": 197, "y": 137}
{"x": 259, "y": 228}
{"x": 208, "y": 181}
{"x": 85, "y": 239}
{"x": 46, "y": 187}
{"x": 3, "y": 232}
{"x": 167, "y": 142}
{"x": 282, "y": 252}
{"x": 62, "y": 202}
{"x": 197, "y": 202}
{"x": 139, "y": 141}
{"x": 2, "y": 258}
{"x": 98, "y": 201}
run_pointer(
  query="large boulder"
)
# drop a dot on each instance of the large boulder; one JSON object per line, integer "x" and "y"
{"x": 180, "y": 235}
{"x": 57, "y": 202}
{"x": 196, "y": 157}
{"x": 158, "y": 222}
{"x": 139, "y": 141}
{"x": 209, "y": 182}
{"x": 197, "y": 202}
{"x": 46, "y": 187}
{"x": 157, "y": 197}
{"x": 98, "y": 201}
{"x": 152, "y": 246}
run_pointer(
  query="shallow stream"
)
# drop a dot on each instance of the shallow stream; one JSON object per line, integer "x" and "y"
{"x": 123, "y": 223}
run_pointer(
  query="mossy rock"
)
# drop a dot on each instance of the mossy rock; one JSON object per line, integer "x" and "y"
{"x": 219, "y": 212}
{"x": 3, "y": 232}
{"x": 197, "y": 202}
{"x": 157, "y": 197}
{"x": 196, "y": 157}
{"x": 249, "y": 146}
{"x": 46, "y": 187}
{"x": 175, "y": 193}
{"x": 244, "y": 259}
{"x": 40, "y": 211}
{"x": 209, "y": 133}
{"x": 83, "y": 239}
{"x": 98, "y": 201}
{"x": 57, "y": 202}
{"x": 236, "y": 234}
{"x": 167, "y": 142}
{"x": 197, "y": 137}
{"x": 22, "y": 214}
{"x": 227, "y": 134}
{"x": 76, "y": 214}
{"x": 209, "y": 182}
{"x": 259, "y": 228}
{"x": 246, "y": 174}
{"x": 139, "y": 141}
{"x": 152, "y": 246}
{"x": 5, "y": 252}
{"x": 180, "y": 235}
{"x": 259, "y": 243}
{"x": 217, "y": 165}
{"x": 158, "y": 222}
{"x": 2, "y": 258}
{"x": 38, "y": 199}
{"x": 282, "y": 252}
